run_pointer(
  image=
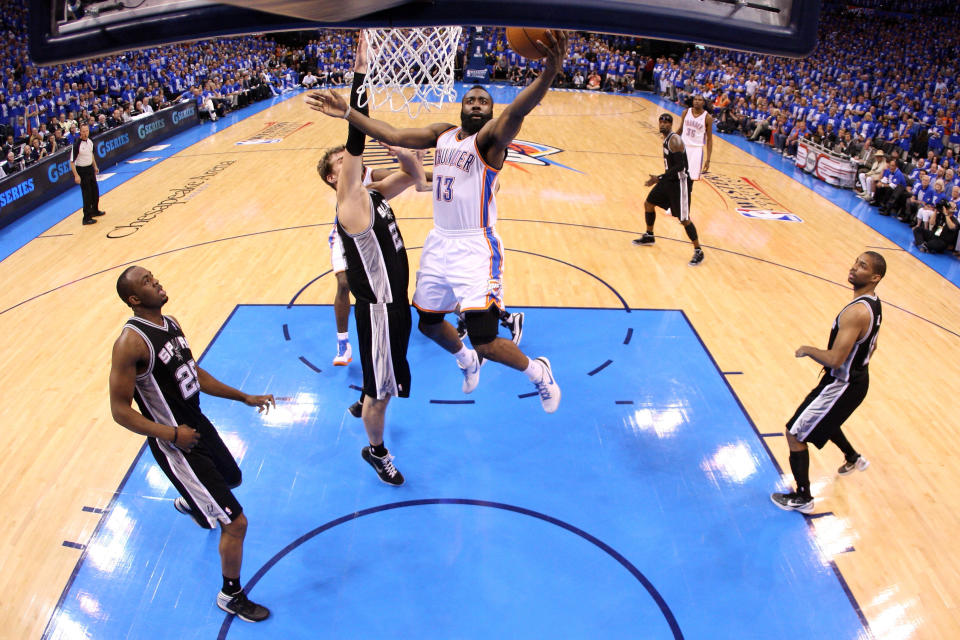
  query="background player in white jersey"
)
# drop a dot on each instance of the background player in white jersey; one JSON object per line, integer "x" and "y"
{"x": 818, "y": 419}
{"x": 696, "y": 130}
{"x": 153, "y": 364}
{"x": 462, "y": 259}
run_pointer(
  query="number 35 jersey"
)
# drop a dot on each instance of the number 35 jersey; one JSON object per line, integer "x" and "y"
{"x": 168, "y": 392}
{"x": 463, "y": 185}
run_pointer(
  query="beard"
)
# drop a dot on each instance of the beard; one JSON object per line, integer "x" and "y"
{"x": 472, "y": 125}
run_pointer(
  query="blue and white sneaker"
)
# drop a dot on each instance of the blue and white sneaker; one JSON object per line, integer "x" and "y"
{"x": 548, "y": 388}
{"x": 471, "y": 372}
{"x": 344, "y": 354}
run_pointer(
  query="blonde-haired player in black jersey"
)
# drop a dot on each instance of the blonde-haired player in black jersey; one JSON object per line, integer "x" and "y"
{"x": 818, "y": 419}
{"x": 378, "y": 275}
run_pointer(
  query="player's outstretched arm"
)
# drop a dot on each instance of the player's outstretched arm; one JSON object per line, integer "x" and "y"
{"x": 128, "y": 350}
{"x": 213, "y": 387}
{"x": 332, "y": 104}
{"x": 411, "y": 173}
{"x": 497, "y": 134}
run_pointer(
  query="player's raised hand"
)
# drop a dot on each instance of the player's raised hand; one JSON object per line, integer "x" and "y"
{"x": 554, "y": 50}
{"x": 360, "y": 61}
{"x": 327, "y": 102}
{"x": 262, "y": 403}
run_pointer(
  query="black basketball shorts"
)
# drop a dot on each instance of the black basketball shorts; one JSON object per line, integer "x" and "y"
{"x": 383, "y": 332}
{"x": 204, "y": 476}
{"x": 825, "y": 409}
{"x": 673, "y": 195}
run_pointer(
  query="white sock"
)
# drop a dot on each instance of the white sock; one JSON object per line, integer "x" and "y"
{"x": 534, "y": 370}
{"x": 463, "y": 356}
{"x": 343, "y": 336}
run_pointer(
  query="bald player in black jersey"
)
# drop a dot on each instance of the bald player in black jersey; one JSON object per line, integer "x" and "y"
{"x": 378, "y": 275}
{"x": 153, "y": 363}
{"x": 818, "y": 419}
{"x": 671, "y": 190}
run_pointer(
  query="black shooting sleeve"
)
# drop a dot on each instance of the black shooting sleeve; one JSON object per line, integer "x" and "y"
{"x": 356, "y": 139}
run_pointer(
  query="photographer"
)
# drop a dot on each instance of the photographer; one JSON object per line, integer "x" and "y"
{"x": 941, "y": 235}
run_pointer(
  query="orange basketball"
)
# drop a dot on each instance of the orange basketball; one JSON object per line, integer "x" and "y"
{"x": 522, "y": 39}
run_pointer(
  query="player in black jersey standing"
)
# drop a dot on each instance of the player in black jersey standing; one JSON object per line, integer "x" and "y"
{"x": 843, "y": 387}
{"x": 378, "y": 275}
{"x": 153, "y": 364}
{"x": 671, "y": 190}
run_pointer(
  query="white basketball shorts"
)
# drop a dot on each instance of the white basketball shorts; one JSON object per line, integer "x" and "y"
{"x": 460, "y": 268}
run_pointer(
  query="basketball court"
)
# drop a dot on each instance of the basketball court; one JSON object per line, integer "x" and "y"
{"x": 640, "y": 506}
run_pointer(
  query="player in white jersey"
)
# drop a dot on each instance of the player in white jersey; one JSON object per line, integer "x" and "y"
{"x": 462, "y": 259}
{"x": 696, "y": 131}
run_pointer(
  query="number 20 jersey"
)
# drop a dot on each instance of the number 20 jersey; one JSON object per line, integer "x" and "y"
{"x": 463, "y": 185}
{"x": 168, "y": 392}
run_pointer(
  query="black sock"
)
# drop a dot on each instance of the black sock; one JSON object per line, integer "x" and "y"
{"x": 800, "y": 465}
{"x": 651, "y": 217}
{"x": 691, "y": 232}
{"x": 231, "y": 586}
{"x": 379, "y": 450}
{"x": 848, "y": 451}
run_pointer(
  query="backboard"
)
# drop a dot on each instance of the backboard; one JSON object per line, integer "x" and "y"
{"x": 59, "y": 33}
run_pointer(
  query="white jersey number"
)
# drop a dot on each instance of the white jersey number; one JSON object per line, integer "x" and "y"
{"x": 187, "y": 376}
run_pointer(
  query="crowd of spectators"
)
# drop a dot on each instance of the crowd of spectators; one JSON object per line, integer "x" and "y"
{"x": 42, "y": 108}
{"x": 595, "y": 62}
{"x": 870, "y": 91}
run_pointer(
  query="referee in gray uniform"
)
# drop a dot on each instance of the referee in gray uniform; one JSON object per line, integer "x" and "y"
{"x": 83, "y": 164}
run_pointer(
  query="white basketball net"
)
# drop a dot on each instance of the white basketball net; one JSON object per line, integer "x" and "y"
{"x": 412, "y": 68}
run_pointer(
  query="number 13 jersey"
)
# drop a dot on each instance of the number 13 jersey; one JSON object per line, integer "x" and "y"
{"x": 463, "y": 185}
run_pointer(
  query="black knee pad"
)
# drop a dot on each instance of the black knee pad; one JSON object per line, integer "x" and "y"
{"x": 428, "y": 318}
{"x": 482, "y": 326}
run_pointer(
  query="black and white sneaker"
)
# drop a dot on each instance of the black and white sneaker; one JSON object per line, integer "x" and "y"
{"x": 792, "y": 502}
{"x": 383, "y": 466}
{"x": 697, "y": 257}
{"x": 242, "y": 607}
{"x": 849, "y": 467}
{"x": 356, "y": 409}
{"x": 646, "y": 238}
{"x": 514, "y": 322}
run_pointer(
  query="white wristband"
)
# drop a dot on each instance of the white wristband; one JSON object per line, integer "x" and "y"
{"x": 346, "y": 114}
